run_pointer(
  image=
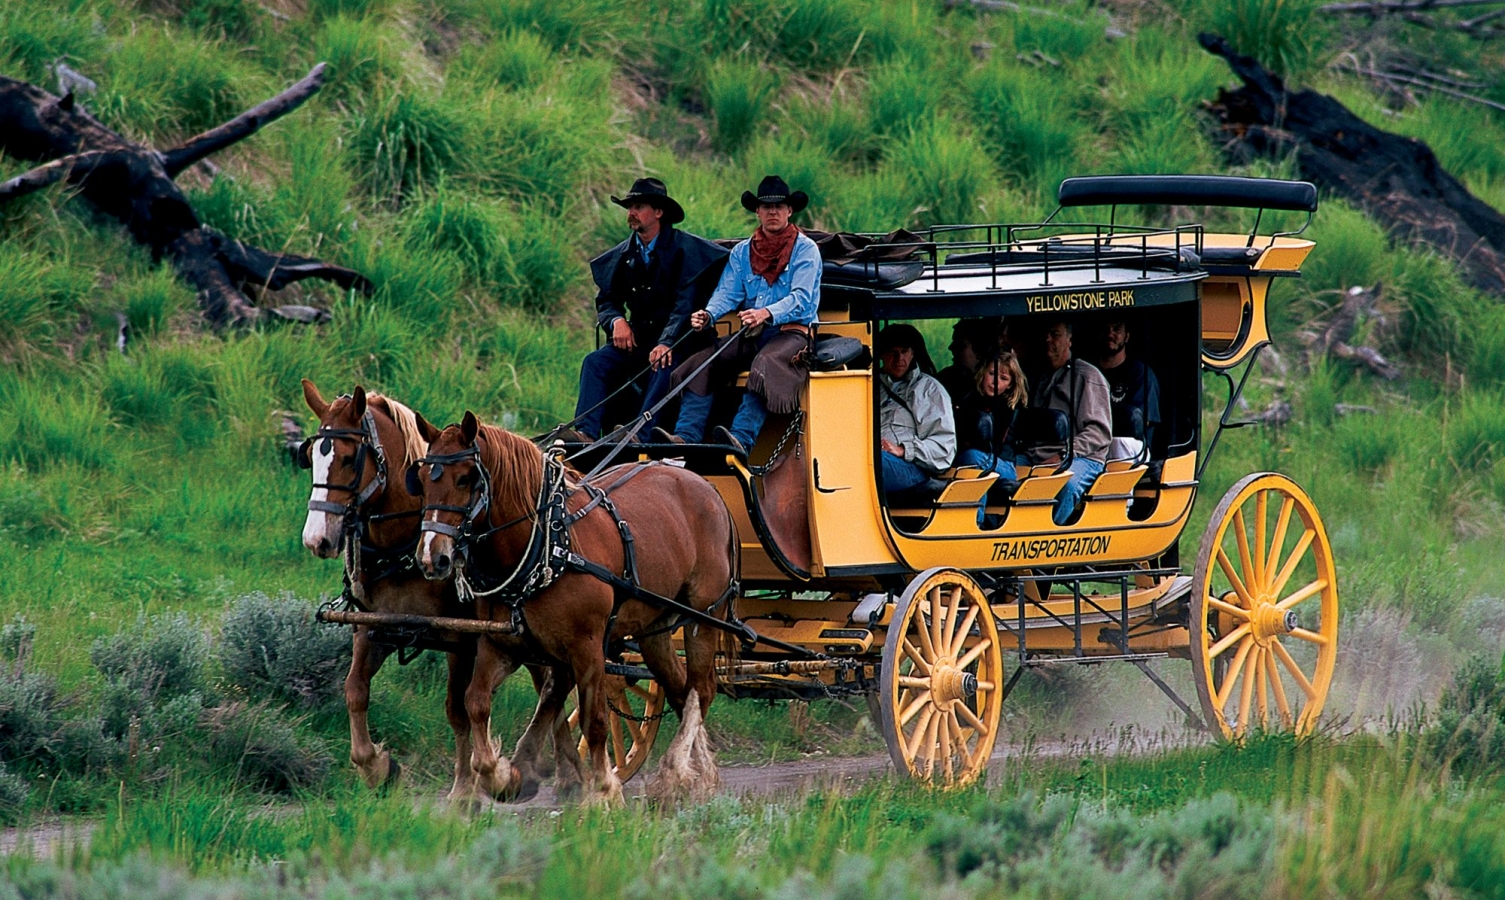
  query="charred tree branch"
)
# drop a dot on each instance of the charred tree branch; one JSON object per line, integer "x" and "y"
{"x": 243, "y": 125}
{"x": 134, "y": 184}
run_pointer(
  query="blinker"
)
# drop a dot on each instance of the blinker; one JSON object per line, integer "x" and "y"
{"x": 305, "y": 461}
{"x": 327, "y": 447}
{"x": 436, "y": 471}
{"x": 412, "y": 482}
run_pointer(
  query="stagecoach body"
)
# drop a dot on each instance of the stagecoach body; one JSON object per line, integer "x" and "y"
{"x": 933, "y": 616}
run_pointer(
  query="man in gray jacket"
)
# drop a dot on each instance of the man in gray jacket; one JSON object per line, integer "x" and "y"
{"x": 1078, "y": 389}
{"x": 918, "y": 431}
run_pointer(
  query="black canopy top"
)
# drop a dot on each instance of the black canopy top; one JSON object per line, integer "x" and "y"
{"x": 1188, "y": 190}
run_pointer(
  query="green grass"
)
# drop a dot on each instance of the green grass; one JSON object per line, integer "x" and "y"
{"x": 461, "y": 156}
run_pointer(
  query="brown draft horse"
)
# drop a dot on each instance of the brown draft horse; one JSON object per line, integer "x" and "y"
{"x": 360, "y": 438}
{"x": 491, "y": 497}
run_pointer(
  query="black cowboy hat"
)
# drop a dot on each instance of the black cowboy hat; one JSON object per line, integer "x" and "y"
{"x": 772, "y": 189}
{"x": 652, "y": 192}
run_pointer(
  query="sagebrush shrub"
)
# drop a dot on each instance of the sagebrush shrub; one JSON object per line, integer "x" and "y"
{"x": 14, "y": 792}
{"x": 1470, "y": 727}
{"x": 263, "y": 746}
{"x": 159, "y": 657}
{"x": 30, "y": 715}
{"x": 273, "y": 649}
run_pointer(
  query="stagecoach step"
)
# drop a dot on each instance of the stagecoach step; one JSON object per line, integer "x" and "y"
{"x": 1085, "y": 659}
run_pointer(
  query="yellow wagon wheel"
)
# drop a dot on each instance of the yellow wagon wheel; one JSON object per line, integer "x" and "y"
{"x": 1264, "y": 610}
{"x": 629, "y": 741}
{"x": 941, "y": 690}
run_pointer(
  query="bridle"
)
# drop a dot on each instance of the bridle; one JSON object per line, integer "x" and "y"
{"x": 353, "y": 520}
{"x": 548, "y": 540}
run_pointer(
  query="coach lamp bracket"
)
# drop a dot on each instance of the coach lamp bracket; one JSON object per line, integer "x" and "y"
{"x": 1235, "y": 392}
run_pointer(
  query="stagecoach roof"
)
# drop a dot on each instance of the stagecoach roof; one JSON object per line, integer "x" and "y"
{"x": 960, "y": 291}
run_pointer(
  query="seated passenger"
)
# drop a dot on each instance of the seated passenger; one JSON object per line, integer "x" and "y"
{"x": 917, "y": 431}
{"x": 985, "y": 417}
{"x": 1078, "y": 389}
{"x": 972, "y": 341}
{"x": 1133, "y": 391}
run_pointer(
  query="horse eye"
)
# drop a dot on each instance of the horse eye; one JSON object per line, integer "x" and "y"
{"x": 348, "y": 460}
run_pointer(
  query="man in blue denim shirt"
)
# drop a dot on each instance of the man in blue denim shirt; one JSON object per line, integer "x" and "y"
{"x": 772, "y": 280}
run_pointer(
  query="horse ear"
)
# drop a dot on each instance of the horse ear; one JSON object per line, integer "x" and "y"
{"x": 425, "y": 428}
{"x": 312, "y": 398}
{"x": 358, "y": 402}
{"x": 469, "y": 427}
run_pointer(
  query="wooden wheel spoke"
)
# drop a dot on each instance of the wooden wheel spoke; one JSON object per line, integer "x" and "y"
{"x": 1221, "y": 698}
{"x": 945, "y": 735}
{"x": 971, "y": 655}
{"x": 1292, "y": 561}
{"x": 927, "y": 646}
{"x": 1315, "y": 587}
{"x": 1261, "y": 514}
{"x": 1278, "y": 687}
{"x": 1295, "y": 670}
{"x": 1236, "y": 582}
{"x": 1241, "y": 533}
{"x": 914, "y": 654}
{"x": 1277, "y": 543}
{"x": 912, "y": 746}
{"x": 937, "y": 611}
{"x": 983, "y": 686}
{"x": 959, "y": 637}
{"x": 1246, "y": 695}
{"x": 1261, "y": 699}
{"x": 1223, "y": 606}
{"x": 1308, "y": 636}
{"x": 1228, "y": 640}
{"x": 642, "y": 692}
{"x": 959, "y": 740}
{"x": 921, "y": 700}
{"x": 948, "y": 621}
{"x": 910, "y": 681}
{"x": 618, "y": 748}
{"x": 963, "y": 711}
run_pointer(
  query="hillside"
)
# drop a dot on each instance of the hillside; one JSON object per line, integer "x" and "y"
{"x": 462, "y": 156}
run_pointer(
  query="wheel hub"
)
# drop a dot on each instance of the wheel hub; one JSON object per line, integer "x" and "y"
{"x": 1269, "y": 621}
{"x": 949, "y": 684}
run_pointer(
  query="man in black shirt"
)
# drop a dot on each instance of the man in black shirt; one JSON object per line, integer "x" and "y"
{"x": 648, "y": 286}
{"x": 1133, "y": 391}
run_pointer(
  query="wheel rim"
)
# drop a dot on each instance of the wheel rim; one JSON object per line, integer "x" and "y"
{"x": 941, "y": 691}
{"x": 629, "y": 742}
{"x": 1264, "y": 610}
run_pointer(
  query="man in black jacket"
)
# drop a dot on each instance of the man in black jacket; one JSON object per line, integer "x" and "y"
{"x": 648, "y": 286}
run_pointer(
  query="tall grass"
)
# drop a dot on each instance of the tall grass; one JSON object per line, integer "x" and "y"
{"x": 737, "y": 94}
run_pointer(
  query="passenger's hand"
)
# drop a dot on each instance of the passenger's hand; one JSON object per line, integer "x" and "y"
{"x": 890, "y": 447}
{"x": 621, "y": 335}
{"x": 699, "y": 319}
{"x": 661, "y": 357}
{"x": 752, "y": 318}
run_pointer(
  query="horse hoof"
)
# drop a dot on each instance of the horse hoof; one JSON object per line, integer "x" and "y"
{"x": 527, "y": 790}
{"x": 568, "y": 791}
{"x": 394, "y": 774}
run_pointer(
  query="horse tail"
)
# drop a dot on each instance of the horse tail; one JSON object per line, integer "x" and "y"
{"x": 729, "y": 644}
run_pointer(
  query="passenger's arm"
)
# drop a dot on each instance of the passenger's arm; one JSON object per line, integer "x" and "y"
{"x": 934, "y": 446}
{"x": 801, "y": 304}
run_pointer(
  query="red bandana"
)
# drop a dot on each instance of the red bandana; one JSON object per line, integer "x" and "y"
{"x": 769, "y": 253}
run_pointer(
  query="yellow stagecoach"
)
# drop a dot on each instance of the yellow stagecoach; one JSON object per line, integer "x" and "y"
{"x": 934, "y": 611}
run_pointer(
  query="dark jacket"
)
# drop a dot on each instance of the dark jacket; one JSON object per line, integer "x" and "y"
{"x": 987, "y": 424}
{"x": 684, "y": 273}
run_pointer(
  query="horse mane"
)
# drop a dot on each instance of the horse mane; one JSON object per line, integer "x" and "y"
{"x": 414, "y": 447}
{"x": 516, "y": 467}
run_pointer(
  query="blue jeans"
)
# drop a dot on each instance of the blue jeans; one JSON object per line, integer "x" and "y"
{"x": 1083, "y": 473}
{"x": 606, "y": 369}
{"x": 900, "y": 474}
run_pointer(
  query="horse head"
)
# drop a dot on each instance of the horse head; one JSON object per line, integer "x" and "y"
{"x": 456, "y": 494}
{"x": 349, "y": 454}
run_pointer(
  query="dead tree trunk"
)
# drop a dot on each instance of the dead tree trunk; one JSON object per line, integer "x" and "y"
{"x": 1396, "y": 179}
{"x": 135, "y": 184}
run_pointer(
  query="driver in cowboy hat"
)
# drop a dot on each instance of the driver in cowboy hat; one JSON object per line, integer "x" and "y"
{"x": 648, "y": 286}
{"x": 772, "y": 280}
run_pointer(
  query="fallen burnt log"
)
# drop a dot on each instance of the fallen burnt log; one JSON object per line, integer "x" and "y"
{"x": 134, "y": 184}
{"x": 1395, "y": 179}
